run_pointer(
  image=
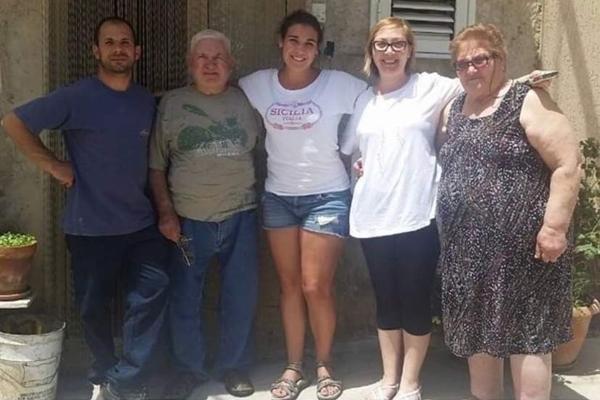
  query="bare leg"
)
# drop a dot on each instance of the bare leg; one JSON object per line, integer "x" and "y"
{"x": 390, "y": 344}
{"x": 320, "y": 254}
{"x": 486, "y": 373}
{"x": 415, "y": 350}
{"x": 284, "y": 244}
{"x": 532, "y": 376}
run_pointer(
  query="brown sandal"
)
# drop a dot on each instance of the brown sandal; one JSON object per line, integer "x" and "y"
{"x": 328, "y": 381}
{"x": 291, "y": 388}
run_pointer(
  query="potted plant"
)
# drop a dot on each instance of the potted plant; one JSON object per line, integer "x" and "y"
{"x": 586, "y": 271}
{"x": 16, "y": 255}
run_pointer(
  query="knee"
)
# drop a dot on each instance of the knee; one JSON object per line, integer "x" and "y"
{"x": 290, "y": 286}
{"x": 316, "y": 291}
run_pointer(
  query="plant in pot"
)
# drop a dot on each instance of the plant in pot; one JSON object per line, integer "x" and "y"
{"x": 586, "y": 271}
{"x": 16, "y": 256}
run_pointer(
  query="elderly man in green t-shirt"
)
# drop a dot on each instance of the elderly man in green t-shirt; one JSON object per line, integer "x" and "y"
{"x": 202, "y": 178}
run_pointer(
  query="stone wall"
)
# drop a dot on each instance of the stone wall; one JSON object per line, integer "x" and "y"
{"x": 569, "y": 43}
{"x": 23, "y": 60}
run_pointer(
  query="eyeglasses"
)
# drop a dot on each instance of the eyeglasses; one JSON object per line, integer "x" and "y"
{"x": 478, "y": 62}
{"x": 397, "y": 46}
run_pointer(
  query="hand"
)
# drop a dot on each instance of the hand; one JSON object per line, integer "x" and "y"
{"x": 62, "y": 171}
{"x": 537, "y": 80}
{"x": 168, "y": 225}
{"x": 550, "y": 244}
{"x": 358, "y": 167}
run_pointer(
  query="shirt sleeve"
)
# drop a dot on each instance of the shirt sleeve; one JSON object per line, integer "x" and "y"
{"x": 52, "y": 111}
{"x": 349, "y": 137}
{"x": 158, "y": 156}
{"x": 248, "y": 84}
{"x": 349, "y": 140}
{"x": 449, "y": 88}
{"x": 353, "y": 88}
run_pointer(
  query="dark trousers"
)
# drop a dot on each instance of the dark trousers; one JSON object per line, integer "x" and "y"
{"x": 402, "y": 268}
{"x": 140, "y": 260}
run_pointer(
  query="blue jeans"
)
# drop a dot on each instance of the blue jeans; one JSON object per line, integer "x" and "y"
{"x": 140, "y": 260}
{"x": 234, "y": 243}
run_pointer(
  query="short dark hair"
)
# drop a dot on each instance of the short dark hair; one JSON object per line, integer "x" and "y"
{"x": 300, "y": 17}
{"x": 112, "y": 20}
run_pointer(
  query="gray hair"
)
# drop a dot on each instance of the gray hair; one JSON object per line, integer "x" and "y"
{"x": 210, "y": 34}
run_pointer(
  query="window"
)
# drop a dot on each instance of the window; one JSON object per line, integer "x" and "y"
{"x": 434, "y": 22}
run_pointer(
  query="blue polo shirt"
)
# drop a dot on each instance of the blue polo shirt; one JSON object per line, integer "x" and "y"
{"x": 106, "y": 134}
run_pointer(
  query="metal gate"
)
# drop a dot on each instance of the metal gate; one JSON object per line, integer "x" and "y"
{"x": 163, "y": 28}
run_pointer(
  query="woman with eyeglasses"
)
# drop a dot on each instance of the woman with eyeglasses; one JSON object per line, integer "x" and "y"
{"x": 510, "y": 177}
{"x": 394, "y": 201}
{"x": 393, "y": 206}
{"x": 307, "y": 196}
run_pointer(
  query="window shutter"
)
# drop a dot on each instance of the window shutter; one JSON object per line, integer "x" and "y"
{"x": 434, "y": 22}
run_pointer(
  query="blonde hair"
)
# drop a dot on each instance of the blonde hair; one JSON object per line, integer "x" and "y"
{"x": 486, "y": 32}
{"x": 390, "y": 22}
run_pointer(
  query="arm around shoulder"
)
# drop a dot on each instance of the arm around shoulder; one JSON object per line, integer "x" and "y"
{"x": 441, "y": 135}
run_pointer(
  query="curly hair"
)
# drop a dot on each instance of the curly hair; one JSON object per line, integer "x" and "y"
{"x": 486, "y": 32}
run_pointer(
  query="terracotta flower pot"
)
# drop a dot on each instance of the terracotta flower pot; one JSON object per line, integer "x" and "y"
{"x": 565, "y": 355}
{"x": 15, "y": 266}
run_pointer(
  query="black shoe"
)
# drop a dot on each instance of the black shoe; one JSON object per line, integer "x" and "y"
{"x": 182, "y": 386}
{"x": 110, "y": 392}
{"x": 238, "y": 384}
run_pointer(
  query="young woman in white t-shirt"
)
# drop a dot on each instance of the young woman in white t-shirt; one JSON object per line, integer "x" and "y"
{"x": 307, "y": 196}
{"x": 393, "y": 207}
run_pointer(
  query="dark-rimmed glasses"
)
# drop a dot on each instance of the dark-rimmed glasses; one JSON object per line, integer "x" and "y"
{"x": 478, "y": 62}
{"x": 397, "y": 45}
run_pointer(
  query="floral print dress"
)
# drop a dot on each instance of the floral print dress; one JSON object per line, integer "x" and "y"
{"x": 497, "y": 298}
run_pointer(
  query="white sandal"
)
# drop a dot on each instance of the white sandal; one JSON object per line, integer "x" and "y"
{"x": 382, "y": 391}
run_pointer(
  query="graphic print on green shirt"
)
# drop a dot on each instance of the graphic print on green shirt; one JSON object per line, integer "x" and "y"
{"x": 223, "y": 135}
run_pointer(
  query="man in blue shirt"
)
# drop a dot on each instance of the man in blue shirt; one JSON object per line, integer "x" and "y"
{"x": 109, "y": 221}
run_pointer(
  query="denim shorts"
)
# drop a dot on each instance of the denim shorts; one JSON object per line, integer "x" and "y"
{"x": 321, "y": 213}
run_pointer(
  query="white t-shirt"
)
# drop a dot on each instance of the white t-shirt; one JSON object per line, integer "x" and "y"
{"x": 395, "y": 135}
{"x": 302, "y": 130}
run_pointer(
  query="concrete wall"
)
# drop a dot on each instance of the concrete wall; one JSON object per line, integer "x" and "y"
{"x": 520, "y": 23}
{"x": 23, "y": 60}
{"x": 569, "y": 43}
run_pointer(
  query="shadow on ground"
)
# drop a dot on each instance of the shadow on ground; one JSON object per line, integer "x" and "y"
{"x": 445, "y": 377}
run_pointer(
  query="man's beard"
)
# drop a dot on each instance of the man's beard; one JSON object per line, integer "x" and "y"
{"x": 116, "y": 67}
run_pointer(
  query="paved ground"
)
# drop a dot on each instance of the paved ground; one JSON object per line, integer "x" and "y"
{"x": 357, "y": 364}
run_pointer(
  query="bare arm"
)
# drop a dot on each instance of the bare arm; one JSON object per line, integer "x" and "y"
{"x": 442, "y": 135}
{"x": 550, "y": 134}
{"x": 33, "y": 148}
{"x": 168, "y": 221}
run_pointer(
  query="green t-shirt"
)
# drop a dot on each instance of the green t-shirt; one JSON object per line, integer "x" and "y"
{"x": 206, "y": 144}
